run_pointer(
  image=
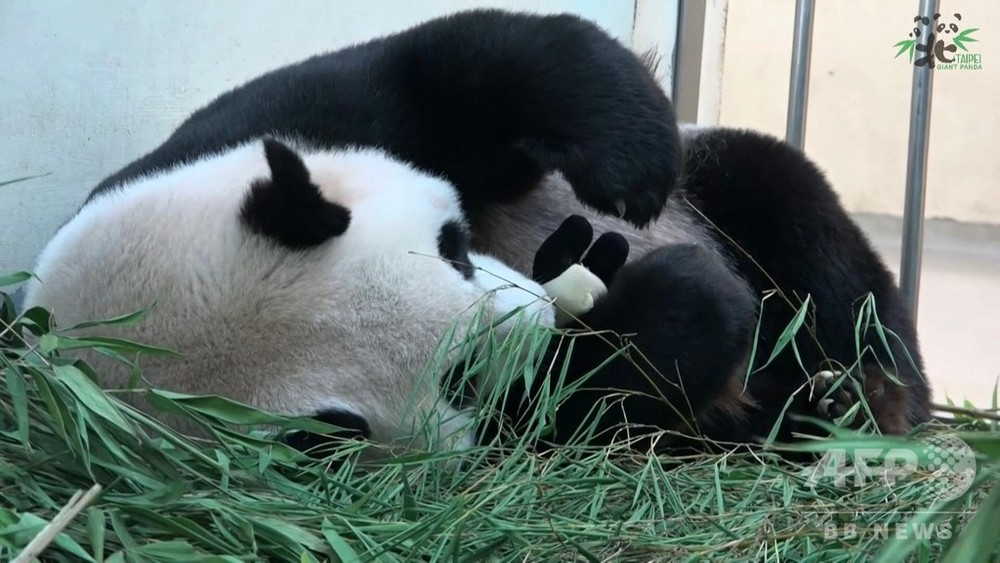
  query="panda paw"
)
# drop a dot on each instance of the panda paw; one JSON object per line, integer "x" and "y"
{"x": 832, "y": 394}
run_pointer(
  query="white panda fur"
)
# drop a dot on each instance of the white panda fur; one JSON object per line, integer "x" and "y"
{"x": 574, "y": 292}
{"x": 346, "y": 325}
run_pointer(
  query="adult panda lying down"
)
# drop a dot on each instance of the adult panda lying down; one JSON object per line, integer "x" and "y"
{"x": 307, "y": 235}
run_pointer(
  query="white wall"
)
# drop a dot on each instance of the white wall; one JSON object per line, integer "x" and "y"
{"x": 86, "y": 87}
{"x": 859, "y": 101}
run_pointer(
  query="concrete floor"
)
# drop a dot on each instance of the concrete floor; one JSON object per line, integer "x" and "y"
{"x": 958, "y": 316}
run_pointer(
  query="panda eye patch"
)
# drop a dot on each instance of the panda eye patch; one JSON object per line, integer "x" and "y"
{"x": 453, "y": 246}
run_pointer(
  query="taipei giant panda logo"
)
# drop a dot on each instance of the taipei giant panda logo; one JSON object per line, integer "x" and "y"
{"x": 941, "y": 43}
{"x": 952, "y": 464}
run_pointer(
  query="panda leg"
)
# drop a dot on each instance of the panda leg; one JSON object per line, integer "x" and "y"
{"x": 684, "y": 321}
{"x": 508, "y": 98}
{"x": 835, "y": 394}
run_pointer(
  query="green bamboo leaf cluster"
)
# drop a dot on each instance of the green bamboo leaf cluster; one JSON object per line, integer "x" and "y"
{"x": 965, "y": 37}
{"x": 244, "y": 496}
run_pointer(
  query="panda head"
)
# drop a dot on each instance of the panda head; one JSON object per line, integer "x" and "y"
{"x": 944, "y": 27}
{"x": 303, "y": 282}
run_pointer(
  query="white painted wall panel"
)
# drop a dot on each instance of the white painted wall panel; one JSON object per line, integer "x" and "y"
{"x": 87, "y": 86}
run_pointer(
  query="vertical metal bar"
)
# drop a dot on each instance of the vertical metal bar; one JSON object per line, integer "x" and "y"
{"x": 798, "y": 88}
{"x": 916, "y": 175}
{"x": 687, "y": 59}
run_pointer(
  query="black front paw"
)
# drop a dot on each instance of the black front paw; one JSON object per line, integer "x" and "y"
{"x": 629, "y": 183}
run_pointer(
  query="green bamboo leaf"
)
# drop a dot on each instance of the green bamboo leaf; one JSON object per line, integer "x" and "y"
{"x": 965, "y": 37}
{"x": 19, "y": 398}
{"x": 788, "y": 334}
{"x": 214, "y": 406}
{"x": 30, "y": 524}
{"x": 184, "y": 527}
{"x": 96, "y": 528}
{"x": 37, "y": 320}
{"x": 122, "y": 321}
{"x": 966, "y": 34}
{"x": 337, "y": 543}
{"x": 972, "y": 545}
{"x": 117, "y": 344}
{"x": 90, "y": 395}
{"x": 15, "y": 277}
{"x": 48, "y": 343}
{"x": 289, "y": 532}
{"x": 906, "y": 45}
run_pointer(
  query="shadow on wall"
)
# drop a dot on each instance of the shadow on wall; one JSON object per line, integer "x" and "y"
{"x": 958, "y": 316}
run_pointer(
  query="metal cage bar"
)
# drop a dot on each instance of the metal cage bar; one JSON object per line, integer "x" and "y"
{"x": 798, "y": 94}
{"x": 916, "y": 175}
{"x": 798, "y": 88}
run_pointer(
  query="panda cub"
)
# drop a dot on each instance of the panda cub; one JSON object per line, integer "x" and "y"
{"x": 302, "y": 282}
{"x": 658, "y": 343}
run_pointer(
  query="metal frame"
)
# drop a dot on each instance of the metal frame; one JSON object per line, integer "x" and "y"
{"x": 916, "y": 159}
{"x": 686, "y": 92}
{"x": 916, "y": 176}
{"x": 798, "y": 88}
{"x": 687, "y": 59}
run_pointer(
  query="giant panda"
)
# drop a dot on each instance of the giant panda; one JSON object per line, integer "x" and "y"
{"x": 301, "y": 282}
{"x": 530, "y": 120}
{"x": 293, "y": 250}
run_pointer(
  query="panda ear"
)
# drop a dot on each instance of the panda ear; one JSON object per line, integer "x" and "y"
{"x": 608, "y": 254}
{"x": 563, "y": 248}
{"x": 288, "y": 208}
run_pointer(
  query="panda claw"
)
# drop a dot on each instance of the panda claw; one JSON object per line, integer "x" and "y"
{"x": 620, "y": 206}
{"x": 822, "y": 380}
{"x": 877, "y": 391}
{"x": 824, "y": 406}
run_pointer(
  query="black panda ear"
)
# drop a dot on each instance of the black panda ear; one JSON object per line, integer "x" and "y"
{"x": 608, "y": 254}
{"x": 288, "y": 207}
{"x": 564, "y": 247}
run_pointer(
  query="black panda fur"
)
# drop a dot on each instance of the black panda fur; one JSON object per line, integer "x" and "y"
{"x": 749, "y": 216}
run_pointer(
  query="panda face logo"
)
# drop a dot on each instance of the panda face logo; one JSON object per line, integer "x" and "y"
{"x": 940, "y": 26}
{"x": 947, "y": 28}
